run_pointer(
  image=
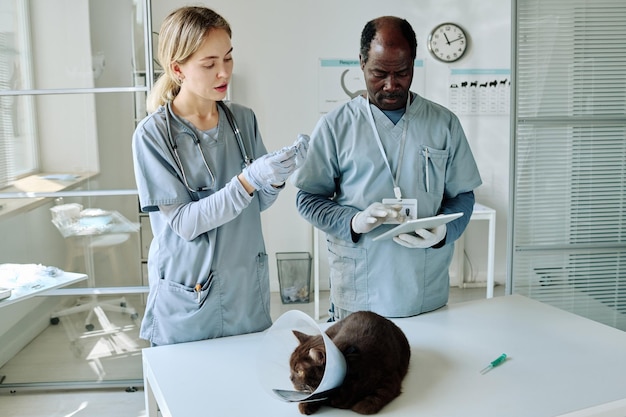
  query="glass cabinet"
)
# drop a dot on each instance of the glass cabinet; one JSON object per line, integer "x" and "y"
{"x": 73, "y": 79}
{"x": 567, "y": 243}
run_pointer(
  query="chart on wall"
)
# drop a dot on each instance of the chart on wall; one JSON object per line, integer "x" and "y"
{"x": 340, "y": 80}
{"x": 480, "y": 91}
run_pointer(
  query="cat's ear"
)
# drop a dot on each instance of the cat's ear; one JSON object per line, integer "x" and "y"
{"x": 301, "y": 336}
{"x": 318, "y": 355}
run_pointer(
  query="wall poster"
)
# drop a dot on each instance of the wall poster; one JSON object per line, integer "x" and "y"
{"x": 480, "y": 91}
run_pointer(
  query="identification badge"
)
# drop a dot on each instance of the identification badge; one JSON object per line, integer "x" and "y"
{"x": 408, "y": 212}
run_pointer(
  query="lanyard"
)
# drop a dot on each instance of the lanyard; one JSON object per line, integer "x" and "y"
{"x": 396, "y": 179}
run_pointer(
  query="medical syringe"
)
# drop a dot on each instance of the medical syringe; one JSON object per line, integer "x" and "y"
{"x": 494, "y": 363}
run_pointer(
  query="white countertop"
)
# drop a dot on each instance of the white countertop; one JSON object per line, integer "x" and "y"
{"x": 557, "y": 363}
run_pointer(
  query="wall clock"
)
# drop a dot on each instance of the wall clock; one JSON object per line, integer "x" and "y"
{"x": 447, "y": 42}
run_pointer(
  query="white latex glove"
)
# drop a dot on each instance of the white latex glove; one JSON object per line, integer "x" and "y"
{"x": 373, "y": 216}
{"x": 302, "y": 148}
{"x": 423, "y": 238}
{"x": 272, "y": 168}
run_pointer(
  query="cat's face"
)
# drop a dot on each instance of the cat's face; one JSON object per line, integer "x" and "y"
{"x": 307, "y": 362}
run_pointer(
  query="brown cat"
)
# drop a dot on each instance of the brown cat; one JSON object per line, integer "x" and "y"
{"x": 377, "y": 357}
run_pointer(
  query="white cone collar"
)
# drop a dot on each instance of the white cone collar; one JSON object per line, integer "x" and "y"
{"x": 277, "y": 346}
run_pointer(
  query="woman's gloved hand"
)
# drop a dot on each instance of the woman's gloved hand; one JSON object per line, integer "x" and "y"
{"x": 373, "y": 216}
{"x": 423, "y": 238}
{"x": 272, "y": 168}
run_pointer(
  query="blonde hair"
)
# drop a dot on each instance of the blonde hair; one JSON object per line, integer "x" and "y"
{"x": 182, "y": 33}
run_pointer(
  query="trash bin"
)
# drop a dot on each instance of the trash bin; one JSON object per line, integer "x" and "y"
{"x": 294, "y": 276}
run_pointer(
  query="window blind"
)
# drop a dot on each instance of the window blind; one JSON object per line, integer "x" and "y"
{"x": 6, "y": 110}
{"x": 568, "y": 234}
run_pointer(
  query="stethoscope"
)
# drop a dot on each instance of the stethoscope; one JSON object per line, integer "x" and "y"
{"x": 247, "y": 159}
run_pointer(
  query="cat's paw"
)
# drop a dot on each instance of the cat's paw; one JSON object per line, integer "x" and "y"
{"x": 368, "y": 405}
{"x": 309, "y": 408}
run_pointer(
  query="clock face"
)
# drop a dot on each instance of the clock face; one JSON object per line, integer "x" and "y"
{"x": 447, "y": 42}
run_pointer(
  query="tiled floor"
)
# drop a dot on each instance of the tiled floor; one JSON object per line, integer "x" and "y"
{"x": 130, "y": 403}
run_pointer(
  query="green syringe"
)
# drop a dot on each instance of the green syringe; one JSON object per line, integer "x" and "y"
{"x": 494, "y": 363}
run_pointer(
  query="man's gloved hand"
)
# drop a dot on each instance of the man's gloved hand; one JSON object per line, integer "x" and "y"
{"x": 272, "y": 168}
{"x": 373, "y": 216}
{"x": 423, "y": 238}
{"x": 302, "y": 147}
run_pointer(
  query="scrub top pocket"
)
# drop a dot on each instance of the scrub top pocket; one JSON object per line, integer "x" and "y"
{"x": 181, "y": 315}
{"x": 348, "y": 276}
{"x": 432, "y": 169}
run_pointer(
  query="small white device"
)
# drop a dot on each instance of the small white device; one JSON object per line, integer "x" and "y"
{"x": 408, "y": 212}
{"x": 5, "y": 293}
{"x": 423, "y": 223}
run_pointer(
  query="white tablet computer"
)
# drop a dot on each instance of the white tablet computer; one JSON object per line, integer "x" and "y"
{"x": 423, "y": 223}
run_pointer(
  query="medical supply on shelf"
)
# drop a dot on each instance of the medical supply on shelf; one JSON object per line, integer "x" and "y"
{"x": 5, "y": 293}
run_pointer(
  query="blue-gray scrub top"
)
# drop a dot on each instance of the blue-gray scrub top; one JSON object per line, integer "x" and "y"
{"x": 345, "y": 165}
{"x": 228, "y": 261}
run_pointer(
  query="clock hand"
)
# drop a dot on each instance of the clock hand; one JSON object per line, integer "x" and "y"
{"x": 457, "y": 39}
{"x": 446, "y": 36}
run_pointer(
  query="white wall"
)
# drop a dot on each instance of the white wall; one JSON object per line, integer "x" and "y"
{"x": 277, "y": 45}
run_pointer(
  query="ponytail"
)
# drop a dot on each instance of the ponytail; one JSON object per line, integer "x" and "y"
{"x": 165, "y": 89}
